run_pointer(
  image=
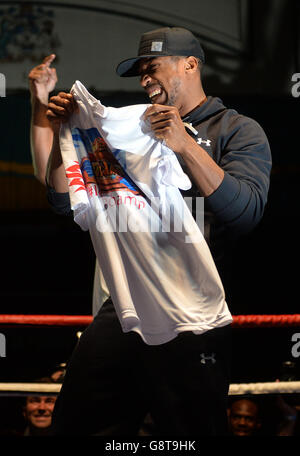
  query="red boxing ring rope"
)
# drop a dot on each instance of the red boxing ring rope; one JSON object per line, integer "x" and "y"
{"x": 239, "y": 321}
{"x": 46, "y": 320}
{"x": 266, "y": 321}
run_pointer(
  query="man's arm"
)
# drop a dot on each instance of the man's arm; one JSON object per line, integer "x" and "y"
{"x": 57, "y": 187}
{"x": 239, "y": 202}
{"x": 42, "y": 80}
{"x": 236, "y": 188}
{"x": 55, "y": 174}
{"x": 60, "y": 108}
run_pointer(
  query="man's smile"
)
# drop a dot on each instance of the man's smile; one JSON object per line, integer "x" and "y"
{"x": 153, "y": 91}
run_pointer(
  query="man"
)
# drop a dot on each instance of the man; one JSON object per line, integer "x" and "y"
{"x": 243, "y": 418}
{"x": 37, "y": 412}
{"x": 115, "y": 376}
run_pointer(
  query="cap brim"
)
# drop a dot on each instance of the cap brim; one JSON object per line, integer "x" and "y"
{"x": 129, "y": 67}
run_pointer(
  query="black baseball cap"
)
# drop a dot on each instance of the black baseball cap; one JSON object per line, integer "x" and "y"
{"x": 164, "y": 41}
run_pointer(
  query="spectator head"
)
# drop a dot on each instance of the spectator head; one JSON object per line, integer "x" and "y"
{"x": 38, "y": 410}
{"x": 243, "y": 417}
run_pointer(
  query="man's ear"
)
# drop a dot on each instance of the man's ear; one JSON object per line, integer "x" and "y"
{"x": 191, "y": 64}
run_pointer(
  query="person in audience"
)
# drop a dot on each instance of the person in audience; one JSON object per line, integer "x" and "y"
{"x": 37, "y": 412}
{"x": 243, "y": 417}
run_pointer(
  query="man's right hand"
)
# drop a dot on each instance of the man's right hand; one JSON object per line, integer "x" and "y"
{"x": 42, "y": 79}
{"x": 60, "y": 108}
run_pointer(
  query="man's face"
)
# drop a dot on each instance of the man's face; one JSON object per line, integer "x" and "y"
{"x": 243, "y": 418}
{"x": 38, "y": 410}
{"x": 163, "y": 79}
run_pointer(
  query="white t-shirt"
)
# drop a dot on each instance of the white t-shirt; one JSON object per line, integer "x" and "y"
{"x": 124, "y": 188}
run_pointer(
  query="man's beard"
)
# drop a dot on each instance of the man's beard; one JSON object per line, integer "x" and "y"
{"x": 172, "y": 97}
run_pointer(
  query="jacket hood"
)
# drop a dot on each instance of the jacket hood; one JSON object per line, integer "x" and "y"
{"x": 212, "y": 106}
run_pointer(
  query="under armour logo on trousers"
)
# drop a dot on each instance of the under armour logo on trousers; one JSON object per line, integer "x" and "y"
{"x": 205, "y": 358}
{"x": 204, "y": 141}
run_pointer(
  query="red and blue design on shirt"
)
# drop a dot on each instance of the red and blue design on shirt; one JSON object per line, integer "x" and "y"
{"x": 97, "y": 164}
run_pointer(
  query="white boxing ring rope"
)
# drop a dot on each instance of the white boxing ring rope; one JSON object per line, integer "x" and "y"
{"x": 234, "y": 390}
{"x": 264, "y": 388}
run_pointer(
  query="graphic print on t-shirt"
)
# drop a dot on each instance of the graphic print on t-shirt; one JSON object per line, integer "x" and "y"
{"x": 100, "y": 167}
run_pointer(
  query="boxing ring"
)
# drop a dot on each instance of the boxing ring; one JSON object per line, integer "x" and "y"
{"x": 239, "y": 321}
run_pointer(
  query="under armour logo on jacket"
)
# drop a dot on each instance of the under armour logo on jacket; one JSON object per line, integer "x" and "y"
{"x": 204, "y": 141}
{"x": 208, "y": 358}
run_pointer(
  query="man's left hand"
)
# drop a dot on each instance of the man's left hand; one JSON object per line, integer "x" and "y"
{"x": 168, "y": 126}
